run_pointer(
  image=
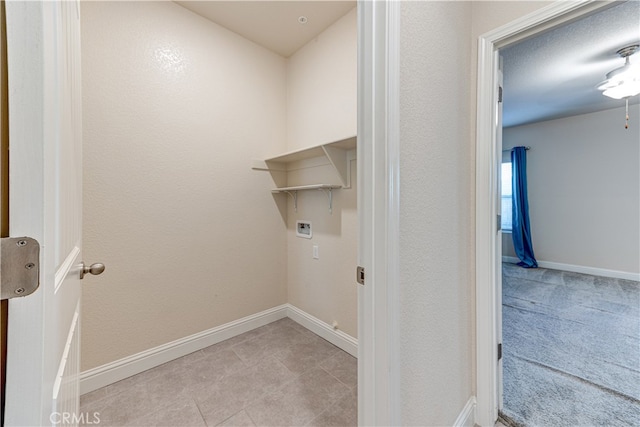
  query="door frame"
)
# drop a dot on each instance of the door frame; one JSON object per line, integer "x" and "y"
{"x": 378, "y": 169}
{"x": 487, "y": 174}
{"x": 378, "y": 211}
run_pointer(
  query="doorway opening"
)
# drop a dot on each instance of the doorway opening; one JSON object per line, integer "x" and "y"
{"x": 565, "y": 323}
{"x": 237, "y": 110}
{"x": 489, "y": 278}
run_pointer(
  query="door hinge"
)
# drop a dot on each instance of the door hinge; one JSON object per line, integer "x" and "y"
{"x": 499, "y": 222}
{"x": 360, "y": 275}
{"x": 499, "y": 351}
{"x": 499, "y": 93}
{"x": 19, "y": 266}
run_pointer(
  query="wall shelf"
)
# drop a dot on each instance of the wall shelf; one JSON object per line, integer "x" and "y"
{"x": 337, "y": 154}
{"x": 305, "y": 187}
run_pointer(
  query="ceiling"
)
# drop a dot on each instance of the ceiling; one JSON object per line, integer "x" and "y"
{"x": 273, "y": 24}
{"x": 548, "y": 76}
{"x": 555, "y": 74}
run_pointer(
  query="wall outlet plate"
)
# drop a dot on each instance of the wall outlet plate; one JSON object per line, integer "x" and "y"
{"x": 303, "y": 229}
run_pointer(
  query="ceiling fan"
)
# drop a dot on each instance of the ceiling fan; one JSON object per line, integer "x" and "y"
{"x": 623, "y": 82}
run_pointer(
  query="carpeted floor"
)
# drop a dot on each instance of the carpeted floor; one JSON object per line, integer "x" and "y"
{"x": 571, "y": 348}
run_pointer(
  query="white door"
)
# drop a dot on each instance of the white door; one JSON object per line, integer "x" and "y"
{"x": 45, "y": 185}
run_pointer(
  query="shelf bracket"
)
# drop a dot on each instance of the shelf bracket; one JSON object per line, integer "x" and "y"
{"x": 338, "y": 159}
{"x": 294, "y": 195}
{"x": 329, "y": 193}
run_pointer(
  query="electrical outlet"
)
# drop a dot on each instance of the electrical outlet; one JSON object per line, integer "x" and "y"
{"x": 315, "y": 252}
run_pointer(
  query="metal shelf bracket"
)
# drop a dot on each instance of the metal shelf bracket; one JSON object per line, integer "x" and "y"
{"x": 329, "y": 193}
{"x": 293, "y": 194}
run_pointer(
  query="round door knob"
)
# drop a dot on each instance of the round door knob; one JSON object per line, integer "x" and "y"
{"x": 94, "y": 269}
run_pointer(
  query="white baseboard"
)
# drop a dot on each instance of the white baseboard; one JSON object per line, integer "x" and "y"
{"x": 324, "y": 330}
{"x": 581, "y": 269}
{"x": 467, "y": 417}
{"x": 110, "y": 373}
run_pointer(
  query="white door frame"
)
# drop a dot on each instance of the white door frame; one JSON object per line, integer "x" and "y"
{"x": 378, "y": 211}
{"x": 487, "y": 161}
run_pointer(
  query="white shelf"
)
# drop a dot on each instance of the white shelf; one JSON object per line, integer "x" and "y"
{"x": 305, "y": 187}
{"x": 335, "y": 152}
{"x": 316, "y": 151}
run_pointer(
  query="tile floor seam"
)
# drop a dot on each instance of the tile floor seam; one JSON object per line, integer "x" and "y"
{"x": 251, "y": 418}
{"x": 336, "y": 378}
{"x": 232, "y": 416}
{"x": 310, "y": 422}
{"x": 226, "y": 419}
{"x": 283, "y": 385}
{"x": 199, "y": 410}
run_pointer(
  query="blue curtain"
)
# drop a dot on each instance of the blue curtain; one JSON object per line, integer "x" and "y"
{"x": 521, "y": 231}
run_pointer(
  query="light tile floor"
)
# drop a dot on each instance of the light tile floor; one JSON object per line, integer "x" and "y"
{"x": 278, "y": 375}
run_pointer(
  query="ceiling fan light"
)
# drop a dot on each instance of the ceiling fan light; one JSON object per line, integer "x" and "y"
{"x": 623, "y": 82}
{"x": 624, "y": 89}
{"x": 626, "y": 72}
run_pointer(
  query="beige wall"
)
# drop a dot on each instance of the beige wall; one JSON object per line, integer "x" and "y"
{"x": 173, "y": 112}
{"x": 324, "y": 287}
{"x": 322, "y": 108}
{"x": 584, "y": 189}
{"x": 322, "y": 87}
{"x": 436, "y": 317}
{"x": 437, "y": 242}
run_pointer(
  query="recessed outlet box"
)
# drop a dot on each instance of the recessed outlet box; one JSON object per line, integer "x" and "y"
{"x": 303, "y": 229}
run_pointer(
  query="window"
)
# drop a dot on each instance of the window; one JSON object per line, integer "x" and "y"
{"x": 506, "y": 197}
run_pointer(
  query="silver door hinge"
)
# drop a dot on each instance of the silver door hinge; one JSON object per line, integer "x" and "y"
{"x": 499, "y": 222}
{"x": 499, "y": 93}
{"x": 360, "y": 275}
{"x": 19, "y": 266}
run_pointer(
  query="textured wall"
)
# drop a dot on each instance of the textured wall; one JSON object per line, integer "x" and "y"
{"x": 322, "y": 87}
{"x": 173, "y": 112}
{"x": 321, "y": 108}
{"x": 324, "y": 287}
{"x": 436, "y": 215}
{"x": 437, "y": 253}
{"x": 584, "y": 189}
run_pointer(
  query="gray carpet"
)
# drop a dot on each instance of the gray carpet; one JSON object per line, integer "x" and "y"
{"x": 571, "y": 348}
